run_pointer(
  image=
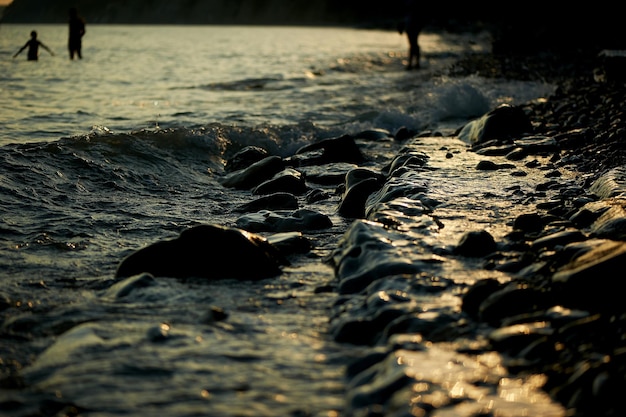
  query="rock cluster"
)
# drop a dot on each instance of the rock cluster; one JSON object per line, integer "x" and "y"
{"x": 563, "y": 315}
{"x": 586, "y": 112}
{"x": 557, "y": 321}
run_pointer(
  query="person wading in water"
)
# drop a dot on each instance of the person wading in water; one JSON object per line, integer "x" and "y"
{"x": 412, "y": 25}
{"x": 77, "y": 31}
{"x": 33, "y": 45}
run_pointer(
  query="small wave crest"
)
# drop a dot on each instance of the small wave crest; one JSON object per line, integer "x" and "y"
{"x": 276, "y": 83}
{"x": 131, "y": 161}
{"x": 458, "y": 99}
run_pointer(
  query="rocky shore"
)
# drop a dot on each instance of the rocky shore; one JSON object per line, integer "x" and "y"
{"x": 541, "y": 290}
{"x": 570, "y": 252}
{"x": 477, "y": 272}
{"x": 558, "y": 314}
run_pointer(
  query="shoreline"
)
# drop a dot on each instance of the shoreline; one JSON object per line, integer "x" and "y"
{"x": 378, "y": 304}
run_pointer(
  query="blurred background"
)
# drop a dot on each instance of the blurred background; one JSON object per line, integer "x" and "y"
{"x": 517, "y": 27}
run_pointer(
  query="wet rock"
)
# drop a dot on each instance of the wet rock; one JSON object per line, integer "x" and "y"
{"x": 496, "y": 149}
{"x": 327, "y": 174}
{"x": 289, "y": 243}
{"x": 530, "y": 222}
{"x": 401, "y": 190}
{"x": 214, "y": 314}
{"x": 513, "y": 299}
{"x": 359, "y": 365}
{"x": 560, "y": 238}
{"x": 284, "y": 221}
{"x": 611, "y": 223}
{"x": 612, "y": 184}
{"x": 533, "y": 145}
{"x": 406, "y": 159}
{"x": 588, "y": 213}
{"x": 359, "y": 184}
{"x": 590, "y": 280}
{"x": 206, "y": 251}
{"x": 403, "y": 133}
{"x": 432, "y": 326}
{"x": 571, "y": 251}
{"x": 341, "y": 149}
{"x": 361, "y": 271}
{"x": 375, "y": 386}
{"x": 255, "y": 174}
{"x": 516, "y": 154}
{"x": 123, "y": 288}
{"x": 518, "y": 337}
{"x": 366, "y": 328}
{"x": 288, "y": 180}
{"x": 396, "y": 213}
{"x": 275, "y": 201}
{"x": 418, "y": 382}
{"x": 476, "y": 244}
{"x": 365, "y": 255}
{"x": 315, "y": 195}
{"x": 492, "y": 166}
{"x": 477, "y": 294}
{"x": 501, "y": 123}
{"x": 244, "y": 158}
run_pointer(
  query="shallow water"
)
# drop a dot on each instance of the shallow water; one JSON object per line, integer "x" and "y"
{"x": 103, "y": 156}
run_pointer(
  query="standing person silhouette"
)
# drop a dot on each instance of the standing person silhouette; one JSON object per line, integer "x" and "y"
{"x": 77, "y": 31}
{"x": 413, "y": 24}
{"x": 33, "y": 45}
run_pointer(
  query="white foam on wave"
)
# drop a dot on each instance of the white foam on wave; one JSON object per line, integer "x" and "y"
{"x": 458, "y": 99}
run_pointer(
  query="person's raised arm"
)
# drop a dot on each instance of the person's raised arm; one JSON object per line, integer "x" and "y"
{"x": 21, "y": 49}
{"x": 46, "y": 48}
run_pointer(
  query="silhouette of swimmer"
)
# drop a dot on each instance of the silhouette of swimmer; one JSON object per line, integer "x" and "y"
{"x": 77, "y": 31}
{"x": 33, "y": 45}
{"x": 412, "y": 25}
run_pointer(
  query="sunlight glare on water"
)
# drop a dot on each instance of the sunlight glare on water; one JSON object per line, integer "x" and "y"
{"x": 134, "y": 77}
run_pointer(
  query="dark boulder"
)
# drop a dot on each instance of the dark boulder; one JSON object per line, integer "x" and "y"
{"x": 255, "y": 174}
{"x": 476, "y": 244}
{"x": 341, "y": 149}
{"x": 206, "y": 251}
{"x": 244, "y": 158}
{"x": 504, "y": 122}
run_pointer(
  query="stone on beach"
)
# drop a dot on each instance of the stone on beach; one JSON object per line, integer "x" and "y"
{"x": 359, "y": 184}
{"x": 327, "y": 174}
{"x": 365, "y": 254}
{"x": 476, "y": 243}
{"x": 253, "y": 175}
{"x": 274, "y": 201}
{"x": 377, "y": 280}
{"x": 500, "y": 123}
{"x": 341, "y": 149}
{"x": 244, "y": 158}
{"x": 288, "y": 180}
{"x": 284, "y": 221}
{"x": 206, "y": 251}
{"x": 289, "y": 243}
{"x": 591, "y": 279}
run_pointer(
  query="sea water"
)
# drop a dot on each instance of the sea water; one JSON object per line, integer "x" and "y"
{"x": 102, "y": 156}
